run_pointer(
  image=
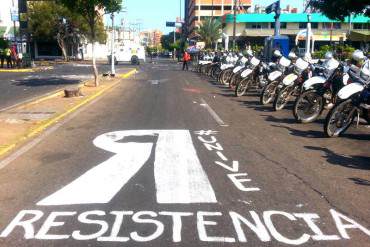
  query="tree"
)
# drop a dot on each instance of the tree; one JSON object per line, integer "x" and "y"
{"x": 91, "y": 11}
{"x": 209, "y": 31}
{"x": 167, "y": 40}
{"x": 339, "y": 9}
{"x": 49, "y": 20}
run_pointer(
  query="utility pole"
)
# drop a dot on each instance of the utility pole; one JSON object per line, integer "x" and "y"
{"x": 174, "y": 42}
{"x": 277, "y": 20}
{"x": 12, "y": 16}
{"x": 331, "y": 33}
{"x": 113, "y": 70}
{"x": 308, "y": 29}
{"x": 212, "y": 10}
{"x": 234, "y": 26}
{"x": 308, "y": 35}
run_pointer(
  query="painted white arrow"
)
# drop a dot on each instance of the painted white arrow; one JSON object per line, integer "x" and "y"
{"x": 179, "y": 176}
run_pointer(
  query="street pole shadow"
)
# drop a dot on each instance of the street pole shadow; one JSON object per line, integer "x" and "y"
{"x": 360, "y": 181}
{"x": 302, "y": 133}
{"x": 274, "y": 119}
{"x": 352, "y": 161}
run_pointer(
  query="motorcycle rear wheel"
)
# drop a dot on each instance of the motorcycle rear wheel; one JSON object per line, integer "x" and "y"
{"x": 339, "y": 118}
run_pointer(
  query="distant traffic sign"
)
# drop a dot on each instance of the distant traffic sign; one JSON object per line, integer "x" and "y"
{"x": 14, "y": 15}
{"x": 170, "y": 24}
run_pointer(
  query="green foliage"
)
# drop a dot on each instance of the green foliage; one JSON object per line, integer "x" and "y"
{"x": 210, "y": 31}
{"x": 3, "y": 43}
{"x": 176, "y": 45}
{"x": 167, "y": 40}
{"x": 257, "y": 49}
{"x": 91, "y": 11}
{"x": 321, "y": 52}
{"x": 342, "y": 52}
{"x": 45, "y": 17}
{"x": 339, "y": 9}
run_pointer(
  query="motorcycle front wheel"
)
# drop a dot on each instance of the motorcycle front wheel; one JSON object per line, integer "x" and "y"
{"x": 282, "y": 98}
{"x": 225, "y": 79}
{"x": 241, "y": 87}
{"x": 308, "y": 106}
{"x": 268, "y": 93}
{"x": 233, "y": 81}
{"x": 339, "y": 118}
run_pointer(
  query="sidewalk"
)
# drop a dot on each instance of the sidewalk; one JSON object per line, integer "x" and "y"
{"x": 19, "y": 124}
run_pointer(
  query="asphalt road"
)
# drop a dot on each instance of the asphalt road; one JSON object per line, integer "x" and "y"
{"x": 170, "y": 159}
{"x": 19, "y": 87}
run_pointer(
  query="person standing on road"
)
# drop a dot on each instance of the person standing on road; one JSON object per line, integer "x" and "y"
{"x": 2, "y": 57}
{"x": 7, "y": 53}
{"x": 14, "y": 56}
{"x": 186, "y": 58}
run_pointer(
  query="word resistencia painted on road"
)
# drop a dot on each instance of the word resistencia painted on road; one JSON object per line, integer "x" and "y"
{"x": 179, "y": 179}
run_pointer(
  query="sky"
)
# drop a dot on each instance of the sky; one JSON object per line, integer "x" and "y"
{"x": 153, "y": 14}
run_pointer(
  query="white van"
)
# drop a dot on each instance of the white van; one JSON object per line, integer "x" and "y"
{"x": 132, "y": 53}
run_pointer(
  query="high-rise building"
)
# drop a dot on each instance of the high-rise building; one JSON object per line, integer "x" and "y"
{"x": 197, "y": 10}
{"x": 151, "y": 38}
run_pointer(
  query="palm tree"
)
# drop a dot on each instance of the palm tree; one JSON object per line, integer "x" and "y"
{"x": 209, "y": 31}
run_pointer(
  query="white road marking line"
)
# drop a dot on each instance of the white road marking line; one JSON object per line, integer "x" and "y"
{"x": 213, "y": 113}
{"x": 101, "y": 183}
{"x": 178, "y": 173}
{"x": 221, "y": 155}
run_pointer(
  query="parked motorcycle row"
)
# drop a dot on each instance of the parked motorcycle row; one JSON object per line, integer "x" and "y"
{"x": 343, "y": 88}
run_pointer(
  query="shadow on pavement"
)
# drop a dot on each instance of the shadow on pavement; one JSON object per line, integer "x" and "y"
{"x": 302, "y": 133}
{"x": 353, "y": 161}
{"x": 45, "y": 82}
{"x": 274, "y": 119}
{"x": 360, "y": 181}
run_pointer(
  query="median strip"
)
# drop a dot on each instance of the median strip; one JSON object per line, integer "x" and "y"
{"x": 19, "y": 124}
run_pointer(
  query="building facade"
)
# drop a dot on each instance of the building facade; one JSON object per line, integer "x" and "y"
{"x": 253, "y": 28}
{"x": 6, "y": 23}
{"x": 151, "y": 38}
{"x": 197, "y": 10}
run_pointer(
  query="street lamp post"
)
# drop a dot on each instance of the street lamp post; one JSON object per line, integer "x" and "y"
{"x": 277, "y": 20}
{"x": 308, "y": 35}
{"x": 113, "y": 70}
{"x": 234, "y": 26}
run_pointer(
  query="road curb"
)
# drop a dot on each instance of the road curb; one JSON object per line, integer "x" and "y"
{"x": 16, "y": 70}
{"x": 33, "y": 132}
{"x": 37, "y": 69}
{"x": 53, "y": 94}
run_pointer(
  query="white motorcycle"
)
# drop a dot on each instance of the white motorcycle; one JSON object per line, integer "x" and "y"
{"x": 274, "y": 78}
{"x": 319, "y": 92}
{"x": 292, "y": 84}
{"x": 354, "y": 101}
{"x": 249, "y": 77}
